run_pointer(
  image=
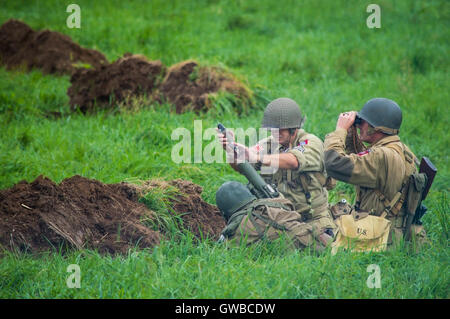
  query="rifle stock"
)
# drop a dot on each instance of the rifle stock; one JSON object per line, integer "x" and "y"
{"x": 414, "y": 217}
{"x": 427, "y": 167}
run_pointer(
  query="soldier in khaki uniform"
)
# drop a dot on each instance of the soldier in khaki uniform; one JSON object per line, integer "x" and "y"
{"x": 379, "y": 173}
{"x": 293, "y": 160}
{"x": 250, "y": 220}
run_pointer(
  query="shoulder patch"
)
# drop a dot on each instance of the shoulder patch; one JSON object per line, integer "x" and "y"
{"x": 258, "y": 148}
{"x": 301, "y": 146}
{"x": 364, "y": 152}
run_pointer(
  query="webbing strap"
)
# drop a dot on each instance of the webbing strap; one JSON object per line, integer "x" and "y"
{"x": 261, "y": 233}
{"x": 305, "y": 188}
{"x": 289, "y": 172}
{"x": 289, "y": 176}
{"x": 396, "y": 204}
{"x": 267, "y": 203}
{"x": 393, "y": 205}
{"x": 269, "y": 221}
{"x": 258, "y": 229}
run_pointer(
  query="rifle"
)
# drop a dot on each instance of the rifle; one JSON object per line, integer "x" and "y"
{"x": 414, "y": 217}
{"x": 426, "y": 167}
{"x": 256, "y": 185}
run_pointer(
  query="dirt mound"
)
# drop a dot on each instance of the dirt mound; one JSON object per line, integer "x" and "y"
{"x": 86, "y": 213}
{"x": 95, "y": 82}
{"x": 83, "y": 212}
{"x": 130, "y": 76}
{"x": 188, "y": 86}
{"x": 52, "y": 52}
{"x": 199, "y": 217}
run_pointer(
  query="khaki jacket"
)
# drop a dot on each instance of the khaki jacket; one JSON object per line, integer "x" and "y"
{"x": 308, "y": 149}
{"x": 383, "y": 167}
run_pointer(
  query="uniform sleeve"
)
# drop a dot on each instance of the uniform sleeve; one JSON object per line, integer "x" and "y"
{"x": 359, "y": 169}
{"x": 309, "y": 154}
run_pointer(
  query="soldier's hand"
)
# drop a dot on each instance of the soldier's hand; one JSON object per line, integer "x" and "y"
{"x": 251, "y": 155}
{"x": 346, "y": 120}
{"x": 225, "y": 140}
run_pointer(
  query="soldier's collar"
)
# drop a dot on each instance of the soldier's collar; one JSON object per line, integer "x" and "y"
{"x": 387, "y": 140}
{"x": 300, "y": 134}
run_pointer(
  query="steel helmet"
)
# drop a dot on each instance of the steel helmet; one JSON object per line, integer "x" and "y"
{"x": 231, "y": 196}
{"x": 383, "y": 114}
{"x": 282, "y": 113}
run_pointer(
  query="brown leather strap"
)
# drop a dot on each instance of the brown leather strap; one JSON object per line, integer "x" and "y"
{"x": 357, "y": 143}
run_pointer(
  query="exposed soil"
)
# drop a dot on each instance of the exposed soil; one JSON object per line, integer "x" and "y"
{"x": 82, "y": 212}
{"x": 201, "y": 218}
{"x": 49, "y": 51}
{"x": 188, "y": 86}
{"x": 85, "y": 213}
{"x": 130, "y": 76}
{"x": 98, "y": 84}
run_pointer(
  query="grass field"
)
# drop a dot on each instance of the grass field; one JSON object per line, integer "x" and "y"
{"x": 319, "y": 53}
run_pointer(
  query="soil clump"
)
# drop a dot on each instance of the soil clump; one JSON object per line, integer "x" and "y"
{"x": 49, "y": 51}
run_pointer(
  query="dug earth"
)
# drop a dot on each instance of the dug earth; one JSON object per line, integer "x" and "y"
{"x": 84, "y": 213}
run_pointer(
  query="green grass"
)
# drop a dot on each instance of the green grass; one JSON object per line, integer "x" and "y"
{"x": 210, "y": 270}
{"x": 319, "y": 53}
